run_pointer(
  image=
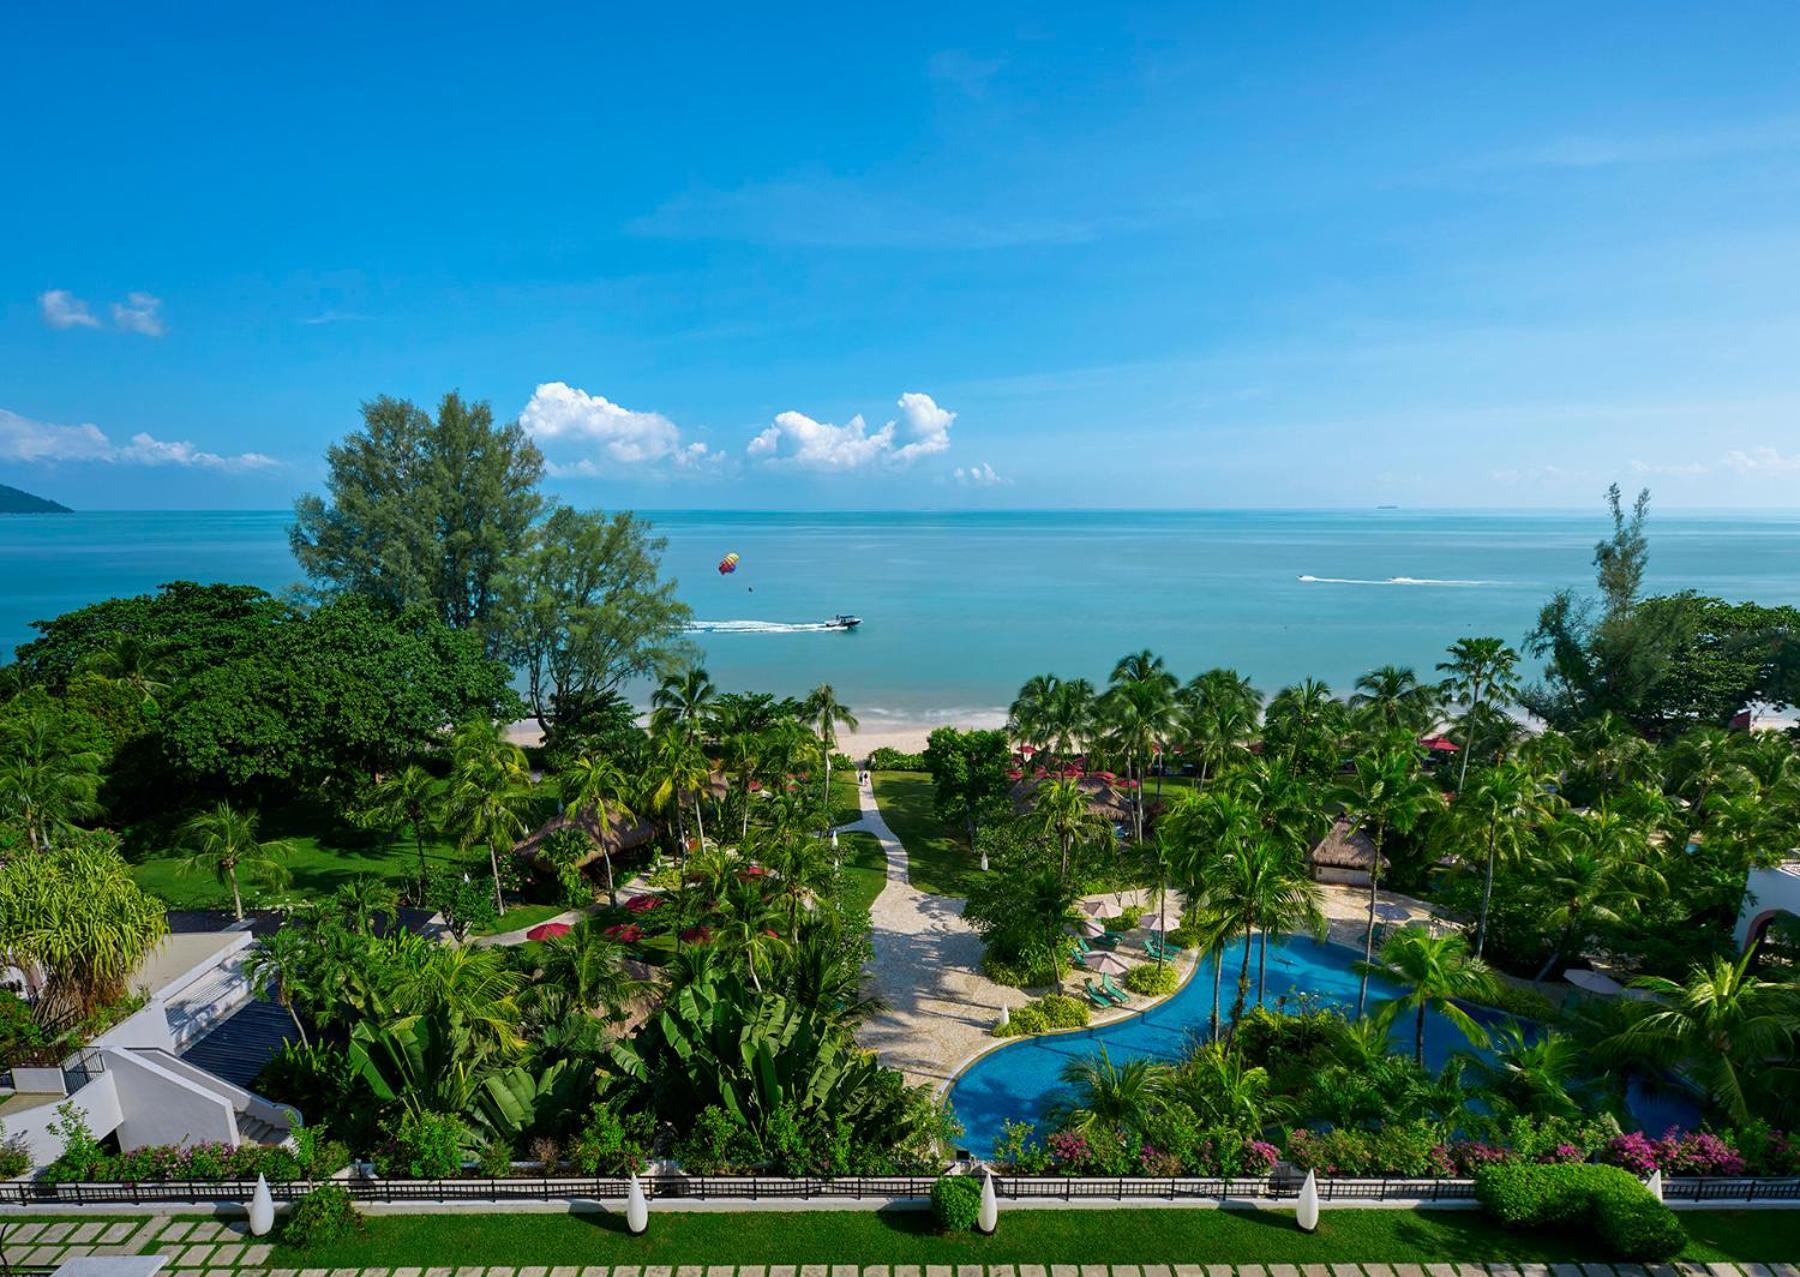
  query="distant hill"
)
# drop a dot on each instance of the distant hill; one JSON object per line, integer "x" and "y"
{"x": 12, "y": 501}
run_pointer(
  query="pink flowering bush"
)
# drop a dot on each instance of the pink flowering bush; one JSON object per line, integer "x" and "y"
{"x": 1260, "y": 1157}
{"x": 1633, "y": 1151}
{"x": 1697, "y": 1153}
{"x": 1069, "y": 1149}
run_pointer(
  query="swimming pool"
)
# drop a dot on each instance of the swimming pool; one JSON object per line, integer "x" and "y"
{"x": 1018, "y": 1080}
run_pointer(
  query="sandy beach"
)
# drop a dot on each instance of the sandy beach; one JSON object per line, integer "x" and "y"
{"x": 871, "y": 735}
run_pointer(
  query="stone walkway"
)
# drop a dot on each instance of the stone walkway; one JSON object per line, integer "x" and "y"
{"x": 215, "y": 1248}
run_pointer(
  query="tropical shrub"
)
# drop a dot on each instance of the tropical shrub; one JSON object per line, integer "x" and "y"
{"x": 1152, "y": 979}
{"x": 608, "y": 1144}
{"x": 717, "y": 1145}
{"x": 1053, "y": 1011}
{"x": 1579, "y": 1199}
{"x": 888, "y": 759}
{"x": 956, "y": 1203}
{"x": 15, "y": 1158}
{"x": 1767, "y": 1151}
{"x": 1126, "y": 919}
{"x": 323, "y": 1216}
{"x": 494, "y": 1159}
{"x": 422, "y": 1145}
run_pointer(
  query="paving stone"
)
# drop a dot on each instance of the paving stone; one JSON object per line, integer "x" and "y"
{"x": 931, "y": 1270}
{"x": 1511, "y": 1270}
{"x": 629, "y": 1271}
{"x": 1751, "y": 1270}
{"x": 1218, "y": 1270}
{"x": 1319, "y": 1270}
{"x": 284, "y": 1272}
{"x": 44, "y": 1256}
{"x": 56, "y": 1233}
{"x": 592, "y": 1271}
{"x": 1068, "y": 1270}
{"x": 116, "y": 1233}
{"x": 962, "y": 1270}
{"x": 222, "y": 1230}
{"x": 195, "y": 1256}
{"x": 1250, "y": 1270}
{"x": 460, "y": 1272}
{"x": 1785, "y": 1270}
{"x": 492, "y": 1272}
{"x": 1534, "y": 1270}
{"x": 1378, "y": 1270}
{"x": 252, "y": 1272}
{"x": 1598, "y": 1270}
{"x": 1029, "y": 1270}
{"x": 533, "y": 1272}
{"x": 77, "y": 1252}
{"x": 1471, "y": 1270}
{"x": 788, "y": 1270}
{"x": 554, "y": 1272}
{"x": 998, "y": 1270}
{"x": 1119, "y": 1270}
{"x": 652, "y": 1271}
{"x": 25, "y": 1232}
{"x": 1631, "y": 1270}
{"x": 1566, "y": 1270}
{"x": 1717, "y": 1270}
{"x": 904, "y": 1270}
{"x": 1093, "y": 1270}
{"x": 230, "y": 1255}
{"x": 1351, "y": 1270}
{"x": 690, "y": 1270}
{"x": 409, "y": 1272}
{"x": 837, "y": 1270}
{"x": 86, "y": 1232}
{"x": 1288, "y": 1270}
{"x": 322, "y": 1272}
{"x": 1441, "y": 1270}
{"x": 1150, "y": 1270}
{"x": 221, "y": 1272}
{"x": 874, "y": 1270}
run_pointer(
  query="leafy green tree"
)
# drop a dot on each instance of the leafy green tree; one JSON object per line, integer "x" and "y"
{"x": 1306, "y": 725}
{"x": 1387, "y": 793}
{"x": 423, "y": 511}
{"x": 1221, "y": 1088}
{"x": 823, "y": 709}
{"x": 279, "y": 967}
{"x": 1499, "y": 812}
{"x": 594, "y": 788}
{"x": 1594, "y": 870}
{"x": 343, "y": 693}
{"x": 586, "y": 609}
{"x": 1433, "y": 973}
{"x": 585, "y": 971}
{"x": 224, "y": 841}
{"x": 678, "y": 770}
{"x": 73, "y": 920}
{"x": 1061, "y": 810}
{"x": 134, "y": 661}
{"x": 684, "y": 699}
{"x": 1480, "y": 677}
{"x": 1392, "y": 700}
{"x": 1104, "y": 1094}
{"x": 969, "y": 777}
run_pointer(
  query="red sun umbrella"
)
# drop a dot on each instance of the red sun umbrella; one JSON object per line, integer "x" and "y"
{"x": 625, "y": 932}
{"x": 643, "y": 904}
{"x": 548, "y": 931}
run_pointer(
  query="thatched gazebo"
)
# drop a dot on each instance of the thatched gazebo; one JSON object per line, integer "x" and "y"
{"x": 1346, "y": 854}
{"x": 1107, "y": 800}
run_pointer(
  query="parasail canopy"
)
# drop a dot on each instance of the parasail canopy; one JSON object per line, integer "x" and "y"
{"x": 728, "y": 564}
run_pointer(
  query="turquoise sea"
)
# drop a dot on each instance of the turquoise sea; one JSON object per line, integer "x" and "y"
{"x": 959, "y": 608}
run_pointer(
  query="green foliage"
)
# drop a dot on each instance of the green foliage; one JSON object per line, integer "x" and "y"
{"x": 1127, "y": 918}
{"x": 422, "y": 1145}
{"x": 969, "y": 776}
{"x": 611, "y": 1144}
{"x": 515, "y": 1104}
{"x": 1153, "y": 980}
{"x": 422, "y": 512}
{"x": 956, "y": 1203}
{"x": 324, "y": 1216}
{"x": 1575, "y": 1198}
{"x": 566, "y": 850}
{"x": 465, "y": 898}
{"x": 345, "y": 691}
{"x": 889, "y": 759}
{"x": 15, "y": 1157}
{"x": 1053, "y": 1011}
{"x": 584, "y": 608}
{"x": 718, "y": 1144}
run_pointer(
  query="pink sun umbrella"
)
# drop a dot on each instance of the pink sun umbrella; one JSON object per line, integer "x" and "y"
{"x": 1106, "y": 963}
{"x": 1093, "y": 927}
{"x": 548, "y": 931}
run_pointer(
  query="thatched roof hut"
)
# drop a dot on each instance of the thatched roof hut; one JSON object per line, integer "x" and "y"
{"x": 621, "y": 837}
{"x": 1106, "y": 800}
{"x": 1345, "y": 854}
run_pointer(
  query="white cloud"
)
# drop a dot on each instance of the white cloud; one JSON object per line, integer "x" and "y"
{"x": 797, "y": 440}
{"x": 1762, "y": 461}
{"x": 139, "y": 313}
{"x": 565, "y": 421}
{"x": 22, "y": 439}
{"x": 1670, "y": 470}
{"x": 63, "y": 309}
{"x": 981, "y": 476}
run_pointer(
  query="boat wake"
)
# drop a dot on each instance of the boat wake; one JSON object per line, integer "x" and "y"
{"x": 1392, "y": 580}
{"x": 757, "y": 627}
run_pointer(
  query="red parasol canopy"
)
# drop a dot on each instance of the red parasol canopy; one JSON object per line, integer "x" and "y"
{"x": 548, "y": 931}
{"x": 643, "y": 904}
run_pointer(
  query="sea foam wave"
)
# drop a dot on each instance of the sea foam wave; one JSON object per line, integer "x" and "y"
{"x": 756, "y": 627}
{"x": 1392, "y": 580}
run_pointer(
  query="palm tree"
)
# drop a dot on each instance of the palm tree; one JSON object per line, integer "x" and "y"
{"x": 280, "y": 966}
{"x": 1478, "y": 674}
{"x": 1432, "y": 972}
{"x": 364, "y": 899}
{"x": 474, "y": 988}
{"x": 1593, "y": 871}
{"x": 1305, "y": 723}
{"x": 595, "y": 784}
{"x": 1261, "y": 888}
{"x": 682, "y": 698}
{"x": 1142, "y": 692}
{"x": 1218, "y": 731}
{"x": 824, "y": 709}
{"x": 1048, "y": 903}
{"x": 488, "y": 780}
{"x": 1386, "y": 793}
{"x": 1028, "y": 717}
{"x": 1116, "y": 1096}
{"x": 585, "y": 970}
{"x": 1731, "y": 1031}
{"x": 1060, "y": 809}
{"x": 47, "y": 781}
{"x": 1222, "y": 1090}
{"x": 1394, "y": 700}
{"x": 746, "y": 927}
{"x": 132, "y": 661}
{"x": 679, "y": 769}
{"x": 1157, "y": 858}
{"x": 1501, "y": 807}
{"x": 406, "y": 798}
{"x": 824, "y": 972}
{"x": 1542, "y": 1075}
{"x": 224, "y": 840}
{"x": 802, "y": 871}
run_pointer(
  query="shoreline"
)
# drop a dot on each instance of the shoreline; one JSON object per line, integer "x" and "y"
{"x": 873, "y": 733}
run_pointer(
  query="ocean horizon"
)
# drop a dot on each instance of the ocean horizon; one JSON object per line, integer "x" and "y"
{"x": 960, "y": 607}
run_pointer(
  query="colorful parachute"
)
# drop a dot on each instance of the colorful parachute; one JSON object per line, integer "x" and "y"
{"x": 728, "y": 564}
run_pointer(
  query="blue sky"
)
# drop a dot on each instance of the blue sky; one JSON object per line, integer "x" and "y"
{"x": 1182, "y": 255}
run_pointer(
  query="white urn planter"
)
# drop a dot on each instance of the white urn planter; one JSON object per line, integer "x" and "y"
{"x": 1307, "y": 1212}
{"x": 262, "y": 1209}
{"x": 637, "y": 1209}
{"x": 989, "y": 1218}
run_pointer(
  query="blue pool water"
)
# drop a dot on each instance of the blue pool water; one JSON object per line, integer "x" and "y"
{"x": 1019, "y": 1080}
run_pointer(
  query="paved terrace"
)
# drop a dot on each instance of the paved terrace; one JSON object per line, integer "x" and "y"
{"x": 214, "y": 1248}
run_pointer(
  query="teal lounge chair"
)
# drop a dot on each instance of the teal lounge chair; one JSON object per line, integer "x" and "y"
{"x": 1078, "y": 947}
{"x": 1095, "y": 996}
{"x": 1105, "y": 940}
{"x": 1110, "y": 990}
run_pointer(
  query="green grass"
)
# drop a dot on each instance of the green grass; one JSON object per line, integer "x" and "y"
{"x": 521, "y": 917}
{"x": 1130, "y": 1236}
{"x": 317, "y": 865}
{"x": 846, "y": 806}
{"x": 865, "y": 870}
{"x": 937, "y": 857}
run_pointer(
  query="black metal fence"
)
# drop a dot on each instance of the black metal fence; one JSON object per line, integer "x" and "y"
{"x": 751, "y": 1188}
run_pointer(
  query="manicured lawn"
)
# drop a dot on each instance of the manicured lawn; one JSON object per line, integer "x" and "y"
{"x": 521, "y": 916}
{"x": 865, "y": 870}
{"x": 846, "y": 806}
{"x": 317, "y": 866}
{"x": 937, "y": 857}
{"x": 1134, "y": 1236}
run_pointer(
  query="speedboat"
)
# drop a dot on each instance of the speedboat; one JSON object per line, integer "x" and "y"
{"x": 843, "y": 621}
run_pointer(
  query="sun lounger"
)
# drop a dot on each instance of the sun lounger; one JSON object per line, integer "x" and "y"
{"x": 1107, "y": 941}
{"x": 1112, "y": 991}
{"x": 1095, "y": 996}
